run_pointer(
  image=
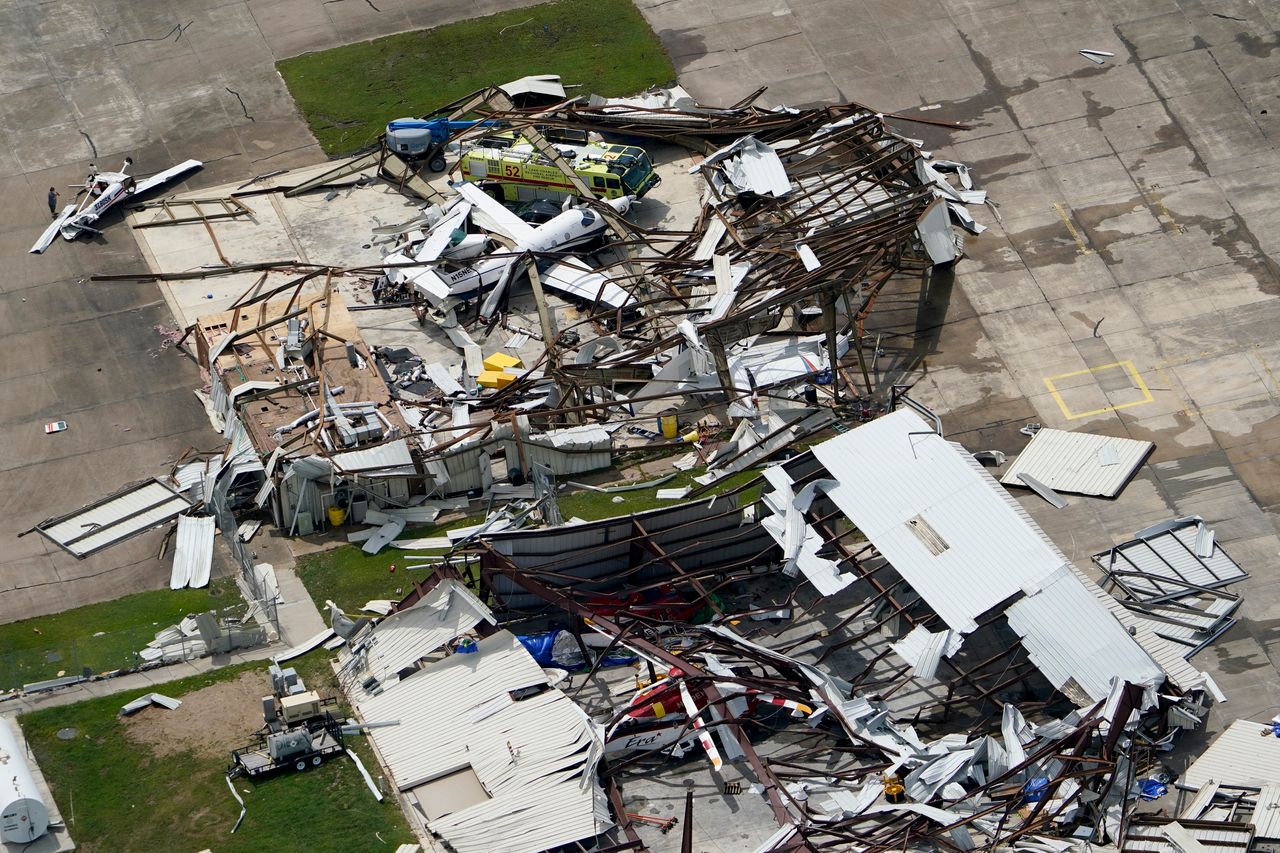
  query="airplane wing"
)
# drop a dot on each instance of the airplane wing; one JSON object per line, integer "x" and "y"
{"x": 398, "y": 274}
{"x": 493, "y": 216}
{"x": 586, "y": 284}
{"x": 166, "y": 176}
{"x": 432, "y": 287}
{"x": 47, "y": 238}
{"x": 442, "y": 233}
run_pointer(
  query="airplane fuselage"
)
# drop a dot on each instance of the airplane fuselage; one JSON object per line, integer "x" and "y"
{"x": 566, "y": 230}
{"x": 107, "y": 197}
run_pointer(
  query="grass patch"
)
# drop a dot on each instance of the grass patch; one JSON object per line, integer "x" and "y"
{"x": 348, "y": 94}
{"x": 349, "y": 577}
{"x": 102, "y": 636}
{"x": 124, "y": 796}
{"x": 589, "y": 505}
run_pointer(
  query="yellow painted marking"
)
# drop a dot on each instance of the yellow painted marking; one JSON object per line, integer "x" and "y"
{"x": 1071, "y": 229}
{"x": 1164, "y": 211}
{"x": 658, "y": 710}
{"x": 1127, "y": 366}
{"x": 1258, "y": 349}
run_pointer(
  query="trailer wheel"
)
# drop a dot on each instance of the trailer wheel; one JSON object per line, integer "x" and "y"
{"x": 437, "y": 163}
{"x": 315, "y": 760}
{"x": 300, "y": 766}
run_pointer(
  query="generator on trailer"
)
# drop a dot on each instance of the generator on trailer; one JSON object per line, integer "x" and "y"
{"x": 298, "y": 731}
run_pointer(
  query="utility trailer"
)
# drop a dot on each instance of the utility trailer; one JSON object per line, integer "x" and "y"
{"x": 295, "y": 748}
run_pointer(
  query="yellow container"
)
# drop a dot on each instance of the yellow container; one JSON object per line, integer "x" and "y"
{"x": 690, "y": 437}
{"x": 337, "y": 515}
{"x": 500, "y": 361}
{"x": 668, "y": 427}
{"x": 495, "y": 379}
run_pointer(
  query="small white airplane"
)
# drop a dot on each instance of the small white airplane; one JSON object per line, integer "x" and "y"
{"x": 442, "y": 287}
{"x": 102, "y": 191}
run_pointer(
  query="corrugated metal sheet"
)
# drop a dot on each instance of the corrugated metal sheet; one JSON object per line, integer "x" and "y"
{"x": 957, "y": 539}
{"x": 1266, "y": 812}
{"x": 188, "y": 475}
{"x": 193, "y": 553}
{"x": 1240, "y": 757}
{"x": 467, "y": 468}
{"x": 404, "y": 638}
{"x": 799, "y": 541}
{"x": 1170, "y": 555}
{"x": 384, "y": 460}
{"x": 1190, "y": 627}
{"x": 113, "y": 519}
{"x": 1073, "y": 462}
{"x": 751, "y": 166}
{"x": 896, "y": 469}
{"x": 924, "y": 649}
{"x": 1074, "y": 641}
{"x": 1178, "y": 836}
{"x": 1169, "y": 656}
{"x": 534, "y": 757}
{"x": 1201, "y": 802}
{"x": 575, "y": 450}
{"x": 696, "y": 535}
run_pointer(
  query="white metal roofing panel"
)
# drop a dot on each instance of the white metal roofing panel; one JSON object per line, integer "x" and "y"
{"x": 751, "y": 166}
{"x": 895, "y": 470}
{"x": 116, "y": 518}
{"x": 1218, "y": 838}
{"x": 534, "y": 756}
{"x": 1073, "y": 462}
{"x": 403, "y": 638}
{"x": 541, "y": 84}
{"x": 1170, "y": 554}
{"x": 1168, "y": 655}
{"x": 431, "y": 704}
{"x": 193, "y": 553}
{"x": 438, "y": 374}
{"x": 1266, "y": 812}
{"x": 390, "y": 459}
{"x": 1237, "y": 758}
{"x": 189, "y": 475}
{"x": 585, "y": 435}
{"x": 1072, "y": 638}
{"x": 1200, "y": 803}
{"x": 924, "y": 649}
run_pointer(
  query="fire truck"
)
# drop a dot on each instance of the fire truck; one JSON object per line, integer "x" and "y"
{"x": 518, "y": 172}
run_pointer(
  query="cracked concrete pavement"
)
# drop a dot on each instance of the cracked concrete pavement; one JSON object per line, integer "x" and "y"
{"x": 95, "y": 81}
{"x": 1126, "y": 285}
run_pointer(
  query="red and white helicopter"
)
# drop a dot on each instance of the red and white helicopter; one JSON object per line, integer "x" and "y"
{"x": 102, "y": 191}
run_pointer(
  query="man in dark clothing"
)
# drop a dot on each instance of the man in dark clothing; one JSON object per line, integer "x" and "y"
{"x": 53, "y": 202}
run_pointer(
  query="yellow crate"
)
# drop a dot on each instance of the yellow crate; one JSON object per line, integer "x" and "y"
{"x": 495, "y": 379}
{"x": 500, "y": 361}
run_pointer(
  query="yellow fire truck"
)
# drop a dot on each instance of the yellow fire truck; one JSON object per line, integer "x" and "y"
{"x": 518, "y": 172}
